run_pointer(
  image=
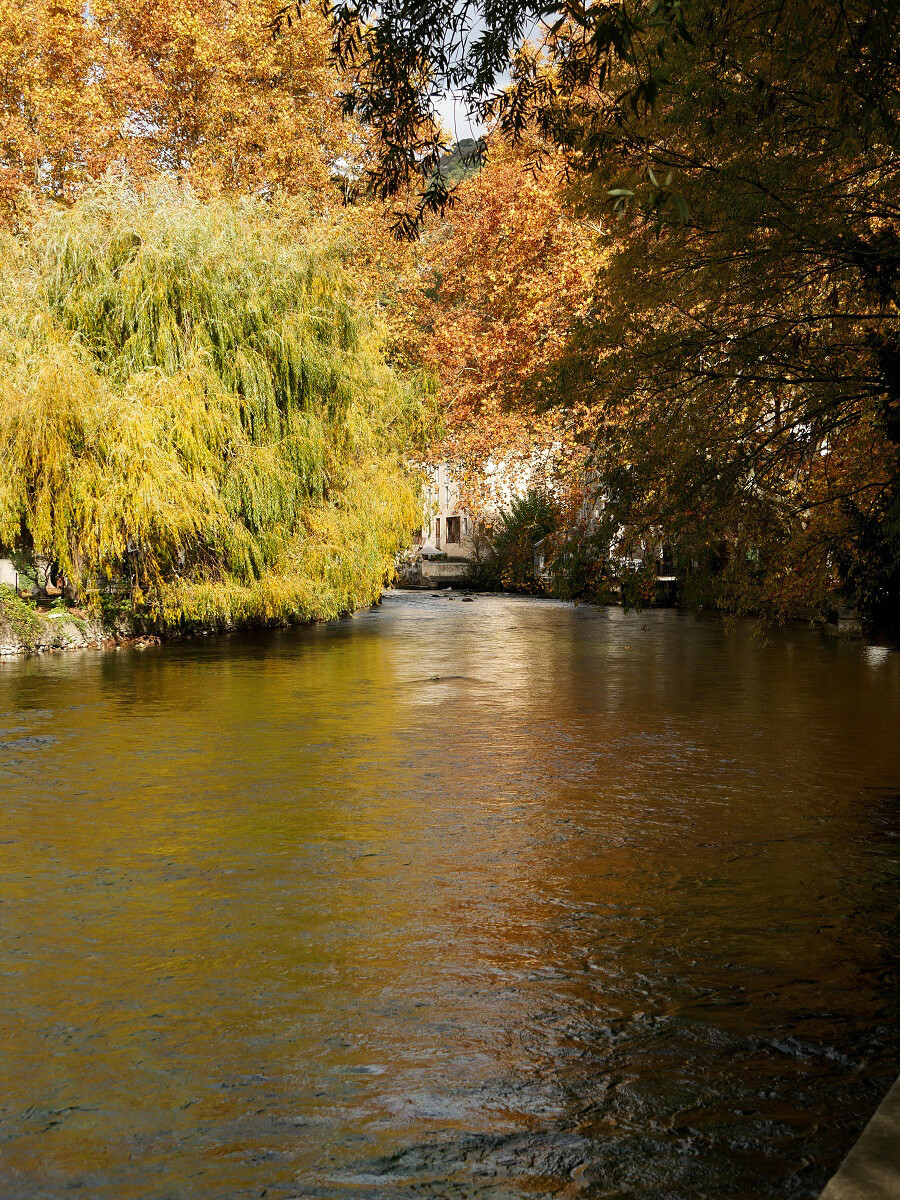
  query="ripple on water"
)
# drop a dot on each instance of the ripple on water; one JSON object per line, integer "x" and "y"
{"x": 494, "y": 901}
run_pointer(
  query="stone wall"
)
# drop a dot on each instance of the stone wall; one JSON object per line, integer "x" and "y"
{"x": 444, "y": 572}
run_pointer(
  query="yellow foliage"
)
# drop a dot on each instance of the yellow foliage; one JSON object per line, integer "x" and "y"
{"x": 193, "y": 405}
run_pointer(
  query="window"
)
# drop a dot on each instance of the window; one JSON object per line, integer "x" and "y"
{"x": 452, "y": 530}
{"x": 437, "y": 531}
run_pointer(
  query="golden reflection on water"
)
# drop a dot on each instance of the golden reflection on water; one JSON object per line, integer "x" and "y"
{"x": 500, "y": 899}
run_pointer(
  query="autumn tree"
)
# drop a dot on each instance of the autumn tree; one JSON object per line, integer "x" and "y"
{"x": 742, "y": 347}
{"x": 218, "y": 100}
{"x": 740, "y": 353}
{"x": 57, "y": 119}
{"x": 503, "y": 281}
{"x": 195, "y": 408}
{"x": 198, "y": 89}
{"x": 402, "y": 56}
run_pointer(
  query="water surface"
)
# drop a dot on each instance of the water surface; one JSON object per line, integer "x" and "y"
{"x": 493, "y": 900}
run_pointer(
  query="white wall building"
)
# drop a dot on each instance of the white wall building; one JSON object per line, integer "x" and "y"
{"x": 446, "y": 526}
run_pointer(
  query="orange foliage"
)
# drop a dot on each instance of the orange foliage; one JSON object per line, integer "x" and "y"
{"x": 507, "y": 277}
{"x": 198, "y": 88}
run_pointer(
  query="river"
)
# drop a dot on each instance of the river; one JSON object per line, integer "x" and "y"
{"x": 492, "y": 900}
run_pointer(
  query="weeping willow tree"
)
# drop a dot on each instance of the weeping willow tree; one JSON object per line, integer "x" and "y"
{"x": 195, "y": 413}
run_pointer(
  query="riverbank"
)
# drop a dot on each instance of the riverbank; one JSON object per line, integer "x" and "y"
{"x": 26, "y": 629}
{"x": 871, "y": 1171}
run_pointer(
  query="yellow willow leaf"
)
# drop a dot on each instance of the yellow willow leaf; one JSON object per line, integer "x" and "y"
{"x": 193, "y": 405}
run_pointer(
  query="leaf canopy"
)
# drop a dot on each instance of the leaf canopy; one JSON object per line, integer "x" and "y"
{"x": 195, "y": 407}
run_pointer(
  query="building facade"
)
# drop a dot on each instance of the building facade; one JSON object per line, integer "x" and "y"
{"x": 447, "y": 527}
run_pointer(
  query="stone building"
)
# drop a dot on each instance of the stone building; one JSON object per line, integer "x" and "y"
{"x": 447, "y": 527}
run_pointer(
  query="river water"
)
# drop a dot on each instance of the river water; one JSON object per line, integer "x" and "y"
{"x": 493, "y": 900}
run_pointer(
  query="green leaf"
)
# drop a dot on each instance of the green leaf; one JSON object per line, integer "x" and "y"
{"x": 681, "y": 207}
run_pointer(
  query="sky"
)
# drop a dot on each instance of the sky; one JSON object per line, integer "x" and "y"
{"x": 452, "y": 112}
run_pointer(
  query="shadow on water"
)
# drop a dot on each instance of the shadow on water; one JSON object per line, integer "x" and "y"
{"x": 497, "y": 901}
